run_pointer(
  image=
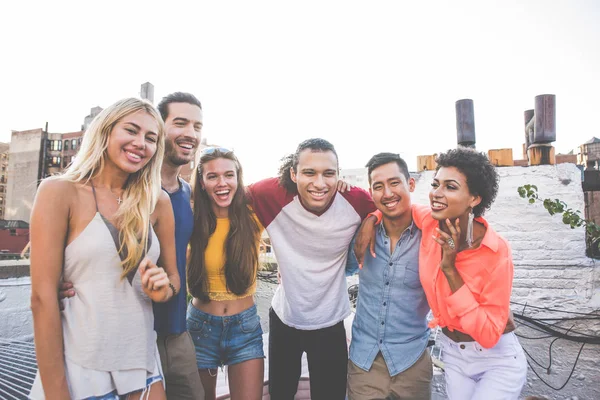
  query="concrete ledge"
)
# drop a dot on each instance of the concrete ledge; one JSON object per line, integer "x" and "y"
{"x": 14, "y": 269}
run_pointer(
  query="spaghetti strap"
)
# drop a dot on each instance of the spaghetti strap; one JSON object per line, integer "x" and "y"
{"x": 94, "y": 192}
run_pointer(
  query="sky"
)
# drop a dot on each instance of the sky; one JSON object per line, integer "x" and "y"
{"x": 368, "y": 76}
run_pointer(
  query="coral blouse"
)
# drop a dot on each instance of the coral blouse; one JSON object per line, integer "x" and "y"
{"x": 479, "y": 308}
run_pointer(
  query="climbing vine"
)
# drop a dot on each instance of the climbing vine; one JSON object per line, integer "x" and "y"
{"x": 569, "y": 216}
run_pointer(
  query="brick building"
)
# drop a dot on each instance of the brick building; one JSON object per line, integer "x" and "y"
{"x": 14, "y": 236}
{"x": 3, "y": 176}
{"x": 25, "y": 168}
{"x": 34, "y": 155}
{"x": 589, "y": 153}
{"x": 70, "y": 147}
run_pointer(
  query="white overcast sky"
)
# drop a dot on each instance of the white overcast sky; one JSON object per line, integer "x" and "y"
{"x": 369, "y": 76}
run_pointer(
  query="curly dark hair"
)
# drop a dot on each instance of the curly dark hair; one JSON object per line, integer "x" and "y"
{"x": 482, "y": 177}
{"x": 291, "y": 161}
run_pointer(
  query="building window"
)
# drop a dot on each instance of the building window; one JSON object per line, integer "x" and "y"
{"x": 56, "y": 145}
{"x": 74, "y": 144}
{"x": 55, "y": 161}
{"x": 66, "y": 145}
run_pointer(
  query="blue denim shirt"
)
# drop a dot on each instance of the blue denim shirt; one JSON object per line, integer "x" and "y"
{"x": 392, "y": 308}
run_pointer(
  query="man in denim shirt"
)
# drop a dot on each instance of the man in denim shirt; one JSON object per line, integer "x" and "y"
{"x": 388, "y": 353}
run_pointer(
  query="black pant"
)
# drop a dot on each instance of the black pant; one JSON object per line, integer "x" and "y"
{"x": 327, "y": 354}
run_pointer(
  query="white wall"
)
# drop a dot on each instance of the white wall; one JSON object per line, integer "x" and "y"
{"x": 15, "y": 312}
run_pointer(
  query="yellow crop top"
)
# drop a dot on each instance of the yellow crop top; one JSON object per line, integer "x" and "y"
{"x": 214, "y": 261}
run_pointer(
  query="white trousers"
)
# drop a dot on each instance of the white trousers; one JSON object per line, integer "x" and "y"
{"x": 474, "y": 372}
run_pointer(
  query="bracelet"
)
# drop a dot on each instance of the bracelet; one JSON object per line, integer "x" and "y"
{"x": 173, "y": 289}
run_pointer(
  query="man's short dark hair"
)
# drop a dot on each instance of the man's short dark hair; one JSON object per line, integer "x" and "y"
{"x": 385, "y": 158}
{"x": 291, "y": 161}
{"x": 177, "y": 97}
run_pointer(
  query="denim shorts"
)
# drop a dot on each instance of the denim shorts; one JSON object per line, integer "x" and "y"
{"x": 225, "y": 340}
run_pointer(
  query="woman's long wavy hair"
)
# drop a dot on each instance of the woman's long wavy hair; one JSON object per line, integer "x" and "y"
{"x": 241, "y": 245}
{"x": 142, "y": 188}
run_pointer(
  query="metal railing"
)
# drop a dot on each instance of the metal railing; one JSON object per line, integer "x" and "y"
{"x": 18, "y": 367}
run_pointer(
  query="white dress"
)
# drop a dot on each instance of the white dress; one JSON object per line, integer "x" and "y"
{"x": 108, "y": 326}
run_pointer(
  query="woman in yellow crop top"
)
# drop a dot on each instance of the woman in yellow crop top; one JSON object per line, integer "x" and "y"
{"x": 222, "y": 317}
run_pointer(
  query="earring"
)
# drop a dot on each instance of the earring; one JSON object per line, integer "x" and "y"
{"x": 470, "y": 228}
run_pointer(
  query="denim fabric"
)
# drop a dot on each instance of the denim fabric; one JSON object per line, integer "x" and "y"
{"x": 225, "y": 340}
{"x": 392, "y": 308}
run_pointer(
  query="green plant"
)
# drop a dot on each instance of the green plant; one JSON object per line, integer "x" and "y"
{"x": 569, "y": 216}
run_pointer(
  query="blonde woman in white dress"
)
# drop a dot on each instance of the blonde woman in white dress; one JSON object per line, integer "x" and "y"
{"x": 106, "y": 226}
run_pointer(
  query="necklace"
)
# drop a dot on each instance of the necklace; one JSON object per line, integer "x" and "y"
{"x": 119, "y": 200}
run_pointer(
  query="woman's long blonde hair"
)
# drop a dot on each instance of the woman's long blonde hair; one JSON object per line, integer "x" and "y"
{"x": 142, "y": 188}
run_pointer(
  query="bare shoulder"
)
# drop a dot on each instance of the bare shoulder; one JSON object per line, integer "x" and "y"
{"x": 163, "y": 207}
{"x": 55, "y": 191}
{"x": 52, "y": 206}
{"x": 163, "y": 200}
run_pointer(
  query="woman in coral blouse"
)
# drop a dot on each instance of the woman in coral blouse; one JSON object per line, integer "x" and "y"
{"x": 466, "y": 270}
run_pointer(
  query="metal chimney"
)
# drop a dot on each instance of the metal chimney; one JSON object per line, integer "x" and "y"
{"x": 541, "y": 131}
{"x": 545, "y": 119}
{"x": 147, "y": 92}
{"x": 529, "y": 122}
{"x": 465, "y": 123}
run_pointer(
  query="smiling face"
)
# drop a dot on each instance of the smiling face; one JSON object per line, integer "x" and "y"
{"x": 220, "y": 181}
{"x": 183, "y": 133}
{"x": 391, "y": 191}
{"x": 132, "y": 142}
{"x": 450, "y": 196}
{"x": 316, "y": 177}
